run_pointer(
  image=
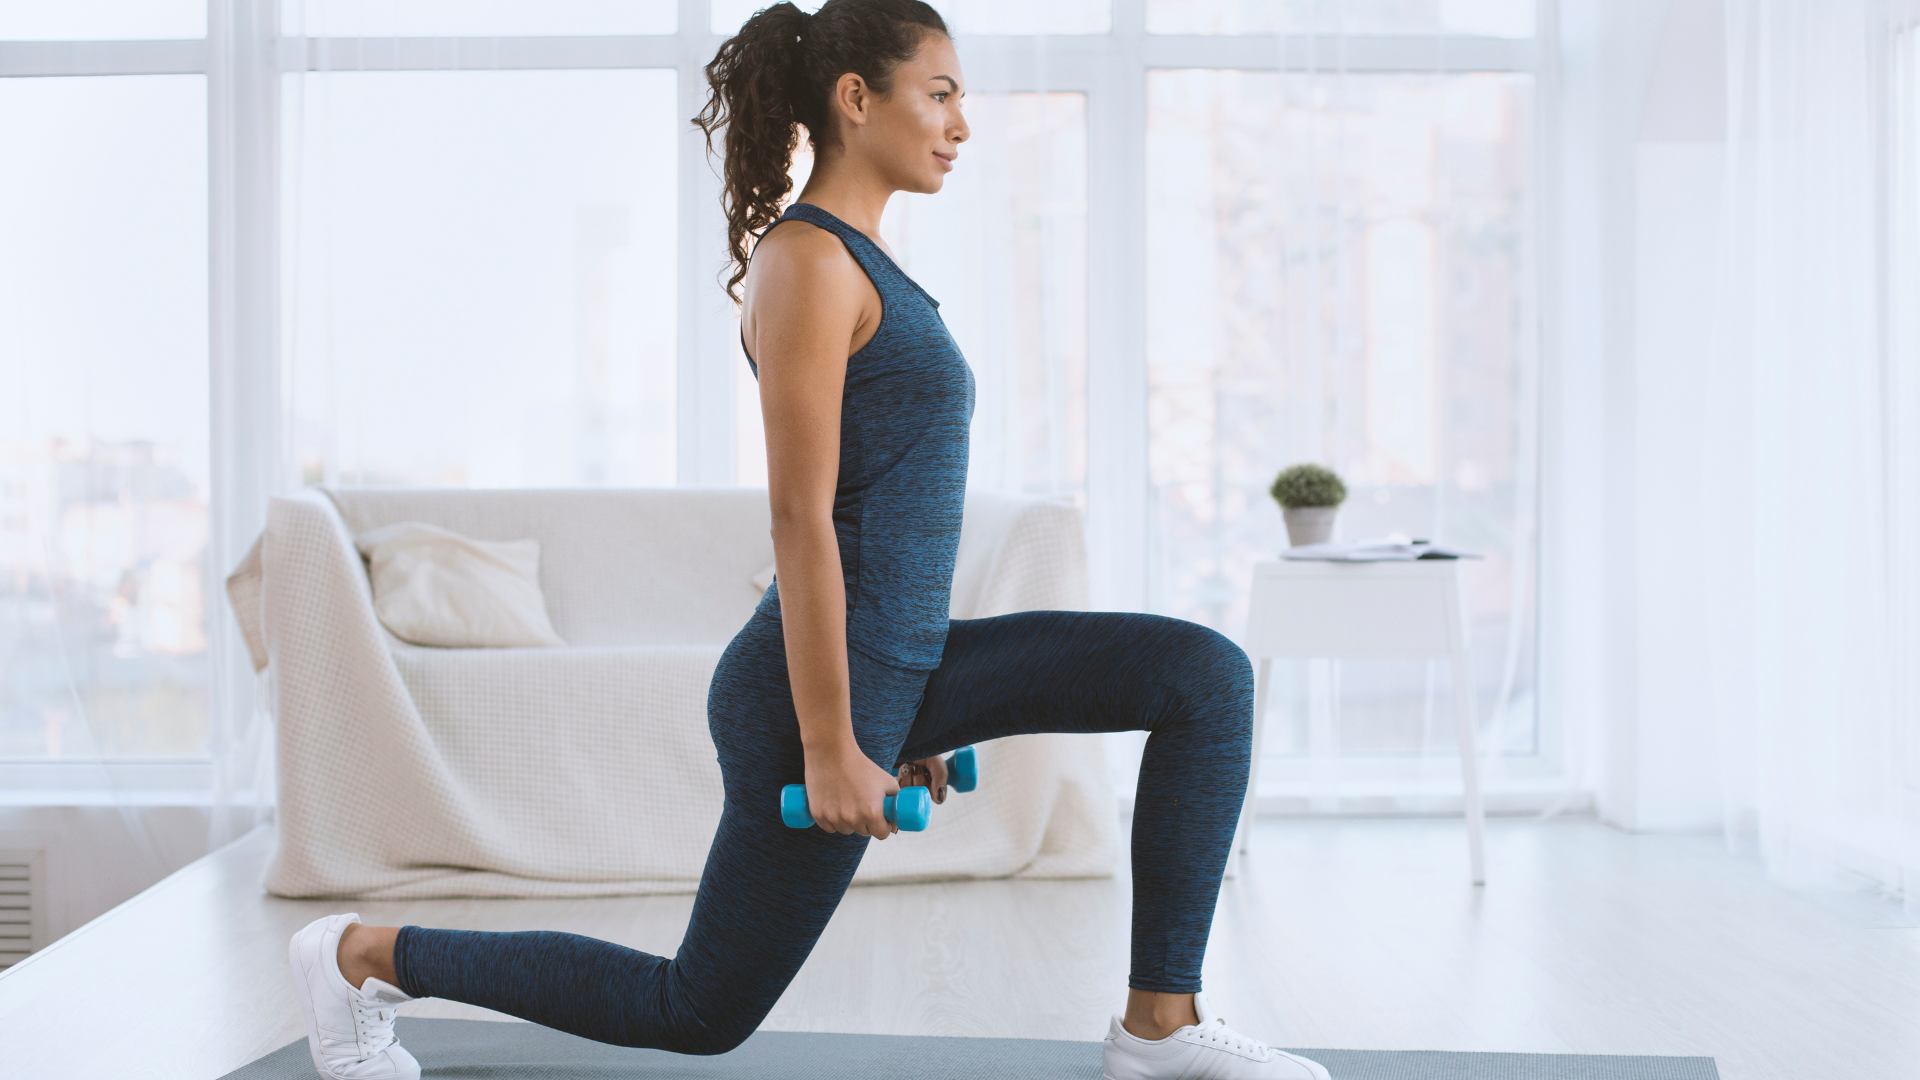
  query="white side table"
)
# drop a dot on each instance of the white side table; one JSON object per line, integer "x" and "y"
{"x": 1378, "y": 610}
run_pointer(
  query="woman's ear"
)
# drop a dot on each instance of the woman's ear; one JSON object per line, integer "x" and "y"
{"x": 852, "y": 98}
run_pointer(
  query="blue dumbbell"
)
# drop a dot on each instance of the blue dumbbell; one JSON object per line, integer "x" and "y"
{"x": 963, "y": 773}
{"x": 913, "y": 808}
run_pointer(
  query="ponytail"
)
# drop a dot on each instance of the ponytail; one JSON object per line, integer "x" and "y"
{"x": 775, "y": 76}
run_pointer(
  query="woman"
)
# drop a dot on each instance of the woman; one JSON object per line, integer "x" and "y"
{"x": 850, "y": 668}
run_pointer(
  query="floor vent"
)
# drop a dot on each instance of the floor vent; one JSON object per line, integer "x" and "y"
{"x": 23, "y": 877}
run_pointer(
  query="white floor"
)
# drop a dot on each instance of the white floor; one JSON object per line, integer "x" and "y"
{"x": 1337, "y": 933}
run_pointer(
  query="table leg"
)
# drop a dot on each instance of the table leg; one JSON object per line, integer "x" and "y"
{"x": 1469, "y": 763}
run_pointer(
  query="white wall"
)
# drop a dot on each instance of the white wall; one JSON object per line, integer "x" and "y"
{"x": 1678, "y": 180}
{"x": 100, "y": 856}
{"x": 1642, "y": 85}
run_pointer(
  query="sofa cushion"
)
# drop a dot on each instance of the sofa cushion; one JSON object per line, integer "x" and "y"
{"x": 432, "y": 586}
{"x": 618, "y": 567}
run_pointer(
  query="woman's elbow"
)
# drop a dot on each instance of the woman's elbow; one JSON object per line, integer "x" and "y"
{"x": 795, "y": 522}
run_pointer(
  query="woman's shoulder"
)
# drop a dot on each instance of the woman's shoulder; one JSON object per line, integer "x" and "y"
{"x": 803, "y": 263}
{"x": 797, "y": 245}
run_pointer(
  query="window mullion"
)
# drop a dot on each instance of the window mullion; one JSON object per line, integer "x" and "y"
{"x": 187, "y": 56}
{"x": 1365, "y": 53}
{"x": 1117, "y": 478}
{"x": 247, "y": 463}
{"x": 529, "y": 53}
{"x": 705, "y": 336}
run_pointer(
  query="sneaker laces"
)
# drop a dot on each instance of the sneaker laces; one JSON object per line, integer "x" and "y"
{"x": 373, "y": 1020}
{"x": 1219, "y": 1034}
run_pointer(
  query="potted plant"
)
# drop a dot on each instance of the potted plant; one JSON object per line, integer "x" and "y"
{"x": 1309, "y": 497}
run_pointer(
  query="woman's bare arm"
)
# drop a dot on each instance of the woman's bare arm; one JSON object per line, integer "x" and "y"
{"x": 807, "y": 305}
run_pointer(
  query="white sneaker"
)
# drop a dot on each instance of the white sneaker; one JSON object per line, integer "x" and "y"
{"x": 349, "y": 1029}
{"x": 1208, "y": 1050}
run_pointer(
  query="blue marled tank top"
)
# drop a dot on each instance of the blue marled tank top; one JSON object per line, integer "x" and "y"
{"x": 903, "y": 465}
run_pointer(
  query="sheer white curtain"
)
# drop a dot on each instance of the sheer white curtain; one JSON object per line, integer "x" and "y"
{"x": 1808, "y": 598}
{"x": 104, "y": 669}
{"x": 481, "y": 272}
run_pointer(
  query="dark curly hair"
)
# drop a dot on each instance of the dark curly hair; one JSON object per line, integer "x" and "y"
{"x": 778, "y": 72}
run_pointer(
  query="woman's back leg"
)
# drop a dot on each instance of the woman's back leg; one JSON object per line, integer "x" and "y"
{"x": 765, "y": 896}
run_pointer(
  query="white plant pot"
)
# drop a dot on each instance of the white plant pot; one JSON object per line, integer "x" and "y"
{"x": 1310, "y": 524}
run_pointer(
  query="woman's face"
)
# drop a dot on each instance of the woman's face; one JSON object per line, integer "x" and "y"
{"x": 914, "y": 134}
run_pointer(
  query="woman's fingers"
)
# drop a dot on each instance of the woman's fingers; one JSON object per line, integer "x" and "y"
{"x": 874, "y": 823}
{"x": 858, "y": 821}
{"x": 846, "y": 792}
{"x": 887, "y": 828}
{"x": 865, "y": 819}
{"x": 929, "y": 773}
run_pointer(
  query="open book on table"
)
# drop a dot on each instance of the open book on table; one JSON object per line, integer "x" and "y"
{"x": 1384, "y": 549}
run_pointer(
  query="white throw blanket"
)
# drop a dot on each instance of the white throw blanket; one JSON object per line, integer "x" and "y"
{"x": 409, "y": 772}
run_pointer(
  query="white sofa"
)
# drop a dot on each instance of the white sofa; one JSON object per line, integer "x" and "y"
{"x": 409, "y": 772}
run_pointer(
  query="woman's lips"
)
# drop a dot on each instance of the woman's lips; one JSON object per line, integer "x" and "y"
{"x": 946, "y": 162}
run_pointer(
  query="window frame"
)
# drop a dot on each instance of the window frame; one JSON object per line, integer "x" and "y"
{"x": 245, "y": 53}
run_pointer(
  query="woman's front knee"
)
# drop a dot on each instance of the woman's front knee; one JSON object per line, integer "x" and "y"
{"x": 1210, "y": 655}
{"x": 1213, "y": 677}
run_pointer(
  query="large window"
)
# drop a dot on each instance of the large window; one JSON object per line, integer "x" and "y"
{"x": 103, "y": 417}
{"x": 484, "y": 277}
{"x": 1192, "y": 241}
{"x": 1339, "y": 271}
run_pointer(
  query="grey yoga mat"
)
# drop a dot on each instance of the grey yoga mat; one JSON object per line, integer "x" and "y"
{"x": 490, "y": 1050}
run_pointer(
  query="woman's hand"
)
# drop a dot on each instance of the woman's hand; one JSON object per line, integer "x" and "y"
{"x": 846, "y": 790}
{"x": 930, "y": 773}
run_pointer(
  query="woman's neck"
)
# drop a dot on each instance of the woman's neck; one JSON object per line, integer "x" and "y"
{"x": 855, "y": 199}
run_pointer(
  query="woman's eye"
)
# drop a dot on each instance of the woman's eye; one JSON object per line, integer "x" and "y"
{"x": 941, "y": 96}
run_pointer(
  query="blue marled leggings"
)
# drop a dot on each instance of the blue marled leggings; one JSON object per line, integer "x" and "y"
{"x": 768, "y": 891}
